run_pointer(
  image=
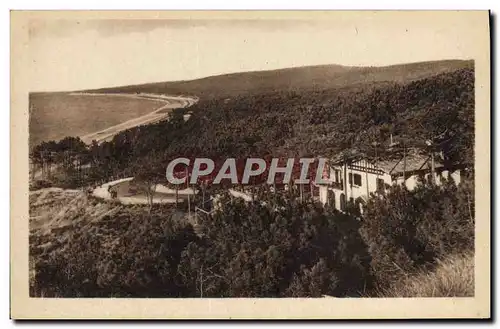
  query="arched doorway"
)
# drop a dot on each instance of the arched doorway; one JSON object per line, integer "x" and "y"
{"x": 342, "y": 202}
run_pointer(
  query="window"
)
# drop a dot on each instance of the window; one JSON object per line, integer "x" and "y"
{"x": 380, "y": 184}
{"x": 337, "y": 176}
{"x": 331, "y": 198}
{"x": 357, "y": 179}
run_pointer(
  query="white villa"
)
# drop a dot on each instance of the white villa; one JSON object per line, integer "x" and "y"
{"x": 357, "y": 179}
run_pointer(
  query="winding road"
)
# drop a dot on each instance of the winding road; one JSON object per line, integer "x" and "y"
{"x": 127, "y": 195}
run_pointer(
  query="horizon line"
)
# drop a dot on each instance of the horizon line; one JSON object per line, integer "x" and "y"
{"x": 252, "y": 71}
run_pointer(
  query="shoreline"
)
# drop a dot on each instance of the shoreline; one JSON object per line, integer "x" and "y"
{"x": 169, "y": 102}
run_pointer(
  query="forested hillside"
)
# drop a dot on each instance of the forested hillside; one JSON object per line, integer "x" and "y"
{"x": 320, "y": 123}
{"x": 279, "y": 245}
{"x": 300, "y": 79}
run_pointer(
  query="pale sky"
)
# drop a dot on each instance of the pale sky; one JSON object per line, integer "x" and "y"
{"x": 71, "y": 54}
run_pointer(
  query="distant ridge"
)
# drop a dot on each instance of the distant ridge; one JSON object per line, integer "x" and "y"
{"x": 293, "y": 79}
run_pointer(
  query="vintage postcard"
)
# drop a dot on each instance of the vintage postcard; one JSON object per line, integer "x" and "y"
{"x": 250, "y": 165}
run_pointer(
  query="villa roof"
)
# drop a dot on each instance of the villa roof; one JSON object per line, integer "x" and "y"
{"x": 413, "y": 162}
{"x": 416, "y": 159}
{"x": 351, "y": 155}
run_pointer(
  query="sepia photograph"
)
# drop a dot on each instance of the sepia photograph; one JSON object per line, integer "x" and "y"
{"x": 250, "y": 158}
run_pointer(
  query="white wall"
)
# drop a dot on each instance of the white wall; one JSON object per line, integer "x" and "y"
{"x": 439, "y": 178}
{"x": 371, "y": 179}
{"x": 323, "y": 193}
{"x": 367, "y": 180}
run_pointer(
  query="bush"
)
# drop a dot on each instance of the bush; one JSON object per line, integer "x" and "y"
{"x": 408, "y": 230}
{"x": 39, "y": 184}
{"x": 273, "y": 247}
{"x": 130, "y": 254}
{"x": 276, "y": 247}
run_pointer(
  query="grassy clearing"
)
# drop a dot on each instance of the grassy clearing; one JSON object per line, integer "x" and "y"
{"x": 453, "y": 277}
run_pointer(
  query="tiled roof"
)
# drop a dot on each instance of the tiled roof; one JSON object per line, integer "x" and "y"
{"x": 416, "y": 159}
{"x": 413, "y": 162}
{"x": 349, "y": 154}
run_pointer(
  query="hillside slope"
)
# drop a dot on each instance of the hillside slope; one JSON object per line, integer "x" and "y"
{"x": 453, "y": 277}
{"x": 307, "y": 122}
{"x": 83, "y": 247}
{"x": 293, "y": 79}
{"x": 317, "y": 123}
{"x": 55, "y": 210}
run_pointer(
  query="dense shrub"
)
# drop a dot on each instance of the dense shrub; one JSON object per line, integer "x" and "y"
{"x": 276, "y": 247}
{"x": 39, "y": 184}
{"x": 129, "y": 254}
{"x": 280, "y": 248}
{"x": 407, "y": 230}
